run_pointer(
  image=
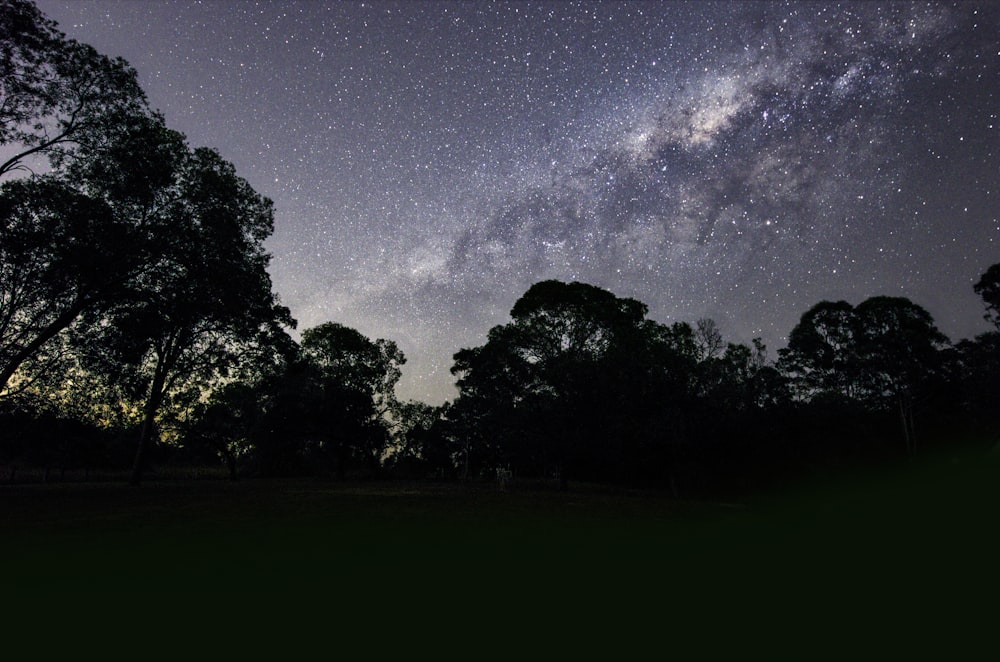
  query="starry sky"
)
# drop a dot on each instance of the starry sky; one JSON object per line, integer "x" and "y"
{"x": 429, "y": 161}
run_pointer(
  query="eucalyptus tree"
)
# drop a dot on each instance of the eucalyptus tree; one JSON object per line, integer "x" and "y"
{"x": 56, "y": 94}
{"x": 878, "y": 354}
{"x": 203, "y": 297}
{"x": 821, "y": 355}
{"x": 55, "y": 245}
{"x": 899, "y": 349}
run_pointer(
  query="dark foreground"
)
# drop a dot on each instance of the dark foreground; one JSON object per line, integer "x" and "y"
{"x": 883, "y": 552}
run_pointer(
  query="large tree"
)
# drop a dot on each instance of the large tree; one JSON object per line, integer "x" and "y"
{"x": 821, "y": 356}
{"x": 203, "y": 296}
{"x": 57, "y": 254}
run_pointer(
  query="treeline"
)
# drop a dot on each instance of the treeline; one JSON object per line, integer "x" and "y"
{"x": 580, "y": 385}
{"x": 138, "y": 328}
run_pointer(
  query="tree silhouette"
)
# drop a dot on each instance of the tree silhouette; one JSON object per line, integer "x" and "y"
{"x": 57, "y": 251}
{"x": 988, "y": 288}
{"x": 57, "y": 93}
{"x": 419, "y": 447}
{"x": 203, "y": 293}
{"x": 75, "y": 242}
{"x": 544, "y": 376}
{"x": 821, "y": 353}
{"x": 878, "y": 354}
{"x": 708, "y": 338}
{"x": 357, "y": 378}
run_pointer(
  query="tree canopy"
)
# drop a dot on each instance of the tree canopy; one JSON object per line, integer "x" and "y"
{"x": 57, "y": 94}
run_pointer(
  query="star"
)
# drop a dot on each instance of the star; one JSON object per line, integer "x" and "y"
{"x": 430, "y": 161}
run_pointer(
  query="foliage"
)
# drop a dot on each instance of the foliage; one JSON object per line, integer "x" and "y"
{"x": 57, "y": 94}
{"x": 321, "y": 407}
{"x": 988, "y": 288}
{"x": 882, "y": 354}
{"x": 578, "y": 383}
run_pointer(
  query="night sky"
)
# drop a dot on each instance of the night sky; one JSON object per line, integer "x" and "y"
{"x": 741, "y": 161}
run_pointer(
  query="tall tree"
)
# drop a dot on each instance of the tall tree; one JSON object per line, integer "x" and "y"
{"x": 57, "y": 251}
{"x": 74, "y": 237}
{"x": 899, "y": 349}
{"x": 204, "y": 295}
{"x": 878, "y": 354}
{"x": 821, "y": 355}
{"x": 77, "y": 241}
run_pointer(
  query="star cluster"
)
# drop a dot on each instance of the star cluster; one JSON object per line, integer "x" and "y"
{"x": 740, "y": 161}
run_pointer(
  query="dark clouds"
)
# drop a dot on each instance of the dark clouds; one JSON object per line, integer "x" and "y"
{"x": 430, "y": 161}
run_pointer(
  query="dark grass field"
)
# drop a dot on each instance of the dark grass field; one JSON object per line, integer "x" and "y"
{"x": 904, "y": 552}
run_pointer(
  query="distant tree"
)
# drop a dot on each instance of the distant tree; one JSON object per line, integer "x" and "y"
{"x": 977, "y": 372}
{"x": 226, "y": 424}
{"x": 988, "y": 287}
{"x": 419, "y": 446}
{"x": 899, "y": 349}
{"x": 821, "y": 355}
{"x": 979, "y": 359}
{"x": 708, "y": 338}
{"x": 56, "y": 93}
{"x": 229, "y": 422}
{"x": 358, "y": 379}
{"x": 545, "y": 370}
{"x": 741, "y": 379}
{"x": 287, "y": 422}
{"x": 878, "y": 354}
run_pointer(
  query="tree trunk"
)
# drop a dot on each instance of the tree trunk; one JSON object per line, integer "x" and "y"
{"x": 341, "y": 461}
{"x": 465, "y": 466}
{"x": 231, "y": 463}
{"x": 149, "y": 420}
{"x": 906, "y": 419}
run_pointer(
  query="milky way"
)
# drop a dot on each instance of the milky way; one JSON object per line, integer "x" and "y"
{"x": 740, "y": 161}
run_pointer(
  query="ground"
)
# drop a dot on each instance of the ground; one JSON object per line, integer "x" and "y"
{"x": 875, "y": 550}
